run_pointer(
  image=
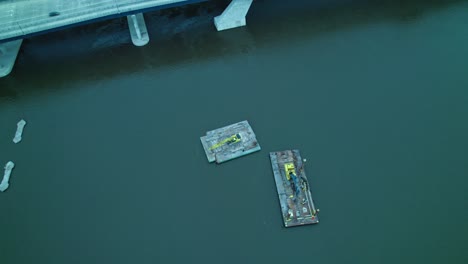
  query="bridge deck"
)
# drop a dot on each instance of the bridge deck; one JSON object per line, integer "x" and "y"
{"x": 20, "y": 18}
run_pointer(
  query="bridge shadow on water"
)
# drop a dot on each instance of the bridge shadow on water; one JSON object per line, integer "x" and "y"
{"x": 184, "y": 35}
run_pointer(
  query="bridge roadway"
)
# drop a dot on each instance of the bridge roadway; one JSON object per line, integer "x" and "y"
{"x": 23, "y": 18}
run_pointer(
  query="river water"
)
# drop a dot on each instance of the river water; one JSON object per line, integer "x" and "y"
{"x": 111, "y": 169}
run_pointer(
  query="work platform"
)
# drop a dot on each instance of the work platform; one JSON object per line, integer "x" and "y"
{"x": 297, "y": 206}
{"x": 229, "y": 142}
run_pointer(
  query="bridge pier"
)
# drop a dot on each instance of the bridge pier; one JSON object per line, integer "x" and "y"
{"x": 234, "y": 15}
{"x": 138, "y": 31}
{"x": 8, "y": 53}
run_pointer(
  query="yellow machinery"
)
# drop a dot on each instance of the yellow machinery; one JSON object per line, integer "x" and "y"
{"x": 232, "y": 139}
{"x": 289, "y": 168}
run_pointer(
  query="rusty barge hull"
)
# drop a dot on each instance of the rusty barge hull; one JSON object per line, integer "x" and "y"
{"x": 297, "y": 205}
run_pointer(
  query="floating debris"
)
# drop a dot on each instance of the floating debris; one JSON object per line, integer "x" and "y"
{"x": 19, "y": 131}
{"x": 293, "y": 188}
{"x": 229, "y": 142}
{"x": 6, "y": 177}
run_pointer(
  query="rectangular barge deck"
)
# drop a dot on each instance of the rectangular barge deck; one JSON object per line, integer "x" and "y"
{"x": 230, "y": 142}
{"x": 297, "y": 206}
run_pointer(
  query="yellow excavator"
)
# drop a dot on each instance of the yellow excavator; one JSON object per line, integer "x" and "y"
{"x": 232, "y": 139}
{"x": 289, "y": 168}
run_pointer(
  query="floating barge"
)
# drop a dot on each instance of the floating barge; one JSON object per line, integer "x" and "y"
{"x": 297, "y": 206}
{"x": 229, "y": 142}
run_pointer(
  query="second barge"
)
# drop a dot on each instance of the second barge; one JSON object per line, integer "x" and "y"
{"x": 230, "y": 142}
{"x": 297, "y": 206}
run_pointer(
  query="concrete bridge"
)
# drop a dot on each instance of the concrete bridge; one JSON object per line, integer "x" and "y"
{"x": 22, "y": 18}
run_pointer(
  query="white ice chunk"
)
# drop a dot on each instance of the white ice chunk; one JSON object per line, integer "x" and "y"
{"x": 6, "y": 177}
{"x": 19, "y": 131}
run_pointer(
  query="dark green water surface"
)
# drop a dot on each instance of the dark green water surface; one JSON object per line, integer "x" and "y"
{"x": 111, "y": 169}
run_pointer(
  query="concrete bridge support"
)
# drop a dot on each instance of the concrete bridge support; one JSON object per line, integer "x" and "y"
{"x": 234, "y": 15}
{"x": 138, "y": 31}
{"x": 8, "y": 53}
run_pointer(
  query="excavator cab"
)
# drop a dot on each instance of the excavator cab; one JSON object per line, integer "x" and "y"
{"x": 288, "y": 169}
{"x": 234, "y": 139}
{"x": 291, "y": 175}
